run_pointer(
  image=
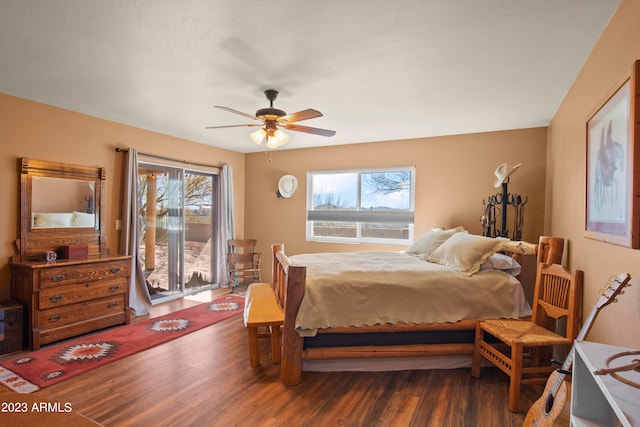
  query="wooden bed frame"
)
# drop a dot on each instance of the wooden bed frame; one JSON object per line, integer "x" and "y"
{"x": 289, "y": 285}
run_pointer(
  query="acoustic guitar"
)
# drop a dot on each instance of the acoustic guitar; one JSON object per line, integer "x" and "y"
{"x": 552, "y": 406}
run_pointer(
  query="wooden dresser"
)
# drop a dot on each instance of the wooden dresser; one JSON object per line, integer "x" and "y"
{"x": 66, "y": 298}
{"x": 62, "y": 216}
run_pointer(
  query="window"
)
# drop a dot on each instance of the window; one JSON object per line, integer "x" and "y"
{"x": 361, "y": 206}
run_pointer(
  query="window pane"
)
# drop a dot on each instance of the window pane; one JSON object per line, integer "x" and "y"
{"x": 198, "y": 272}
{"x": 160, "y": 190}
{"x": 386, "y": 190}
{"x": 335, "y": 229}
{"x": 385, "y": 231}
{"x": 335, "y": 191}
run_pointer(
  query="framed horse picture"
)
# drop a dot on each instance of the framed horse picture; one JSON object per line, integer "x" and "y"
{"x": 613, "y": 153}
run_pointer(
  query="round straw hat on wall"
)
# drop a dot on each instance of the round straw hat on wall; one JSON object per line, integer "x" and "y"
{"x": 287, "y": 185}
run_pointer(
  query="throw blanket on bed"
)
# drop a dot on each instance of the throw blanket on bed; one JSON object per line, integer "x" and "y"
{"x": 368, "y": 288}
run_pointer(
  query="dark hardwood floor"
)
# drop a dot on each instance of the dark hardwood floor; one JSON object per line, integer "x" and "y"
{"x": 204, "y": 379}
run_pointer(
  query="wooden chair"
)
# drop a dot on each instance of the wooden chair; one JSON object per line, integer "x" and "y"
{"x": 243, "y": 262}
{"x": 506, "y": 343}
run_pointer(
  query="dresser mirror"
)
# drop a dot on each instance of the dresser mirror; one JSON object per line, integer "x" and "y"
{"x": 60, "y": 205}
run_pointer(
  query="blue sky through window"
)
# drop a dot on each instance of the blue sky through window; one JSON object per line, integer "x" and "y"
{"x": 340, "y": 190}
{"x": 373, "y": 198}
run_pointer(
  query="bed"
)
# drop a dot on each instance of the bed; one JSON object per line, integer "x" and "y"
{"x": 336, "y": 310}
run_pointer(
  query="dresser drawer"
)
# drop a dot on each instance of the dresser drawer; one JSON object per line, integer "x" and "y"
{"x": 74, "y": 313}
{"x": 56, "y": 276}
{"x": 84, "y": 291}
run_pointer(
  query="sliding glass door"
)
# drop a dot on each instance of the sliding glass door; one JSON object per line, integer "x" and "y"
{"x": 198, "y": 237}
{"x": 176, "y": 232}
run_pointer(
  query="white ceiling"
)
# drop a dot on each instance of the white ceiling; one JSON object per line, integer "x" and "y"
{"x": 378, "y": 70}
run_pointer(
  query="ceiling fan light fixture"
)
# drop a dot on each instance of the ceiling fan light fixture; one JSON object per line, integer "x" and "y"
{"x": 281, "y": 137}
{"x": 272, "y": 142}
{"x": 275, "y": 138}
{"x": 258, "y": 136}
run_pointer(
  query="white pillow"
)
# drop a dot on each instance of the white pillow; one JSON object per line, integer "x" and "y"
{"x": 432, "y": 240}
{"x": 51, "y": 220}
{"x": 81, "y": 219}
{"x": 502, "y": 262}
{"x": 465, "y": 253}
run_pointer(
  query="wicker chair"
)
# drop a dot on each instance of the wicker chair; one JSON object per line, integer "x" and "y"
{"x": 243, "y": 262}
{"x": 519, "y": 347}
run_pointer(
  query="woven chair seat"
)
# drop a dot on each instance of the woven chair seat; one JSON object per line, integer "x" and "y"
{"x": 512, "y": 331}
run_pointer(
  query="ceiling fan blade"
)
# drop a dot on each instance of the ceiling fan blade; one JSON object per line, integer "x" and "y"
{"x": 233, "y": 126}
{"x": 231, "y": 110}
{"x": 307, "y": 129}
{"x": 300, "y": 115}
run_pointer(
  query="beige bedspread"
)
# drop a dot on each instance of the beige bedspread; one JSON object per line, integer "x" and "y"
{"x": 368, "y": 288}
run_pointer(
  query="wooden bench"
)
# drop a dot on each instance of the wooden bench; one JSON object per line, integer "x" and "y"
{"x": 262, "y": 309}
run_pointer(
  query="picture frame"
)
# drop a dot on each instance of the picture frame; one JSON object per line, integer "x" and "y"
{"x": 612, "y": 208}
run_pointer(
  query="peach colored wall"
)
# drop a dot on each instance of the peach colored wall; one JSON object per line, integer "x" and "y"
{"x": 38, "y": 131}
{"x": 611, "y": 58}
{"x": 454, "y": 174}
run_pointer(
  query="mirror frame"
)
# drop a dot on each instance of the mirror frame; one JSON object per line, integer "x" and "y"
{"x": 35, "y": 241}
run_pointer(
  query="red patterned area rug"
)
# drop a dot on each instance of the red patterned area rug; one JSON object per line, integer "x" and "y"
{"x": 29, "y": 372}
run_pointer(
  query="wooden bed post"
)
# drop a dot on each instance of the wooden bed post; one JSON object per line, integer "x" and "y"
{"x": 291, "y": 367}
{"x": 550, "y": 250}
{"x": 275, "y": 266}
{"x": 288, "y": 281}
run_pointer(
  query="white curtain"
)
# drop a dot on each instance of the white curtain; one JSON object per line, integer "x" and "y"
{"x": 224, "y": 223}
{"x": 139, "y": 299}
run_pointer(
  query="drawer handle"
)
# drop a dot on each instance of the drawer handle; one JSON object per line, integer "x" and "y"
{"x": 54, "y": 318}
{"x": 113, "y": 304}
{"x": 114, "y": 287}
{"x": 57, "y": 277}
{"x": 114, "y": 270}
{"x": 55, "y": 298}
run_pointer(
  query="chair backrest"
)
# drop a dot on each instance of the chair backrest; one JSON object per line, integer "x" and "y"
{"x": 241, "y": 246}
{"x": 241, "y": 254}
{"x": 241, "y": 261}
{"x": 558, "y": 294}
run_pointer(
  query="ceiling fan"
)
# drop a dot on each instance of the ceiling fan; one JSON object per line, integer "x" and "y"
{"x": 273, "y": 118}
